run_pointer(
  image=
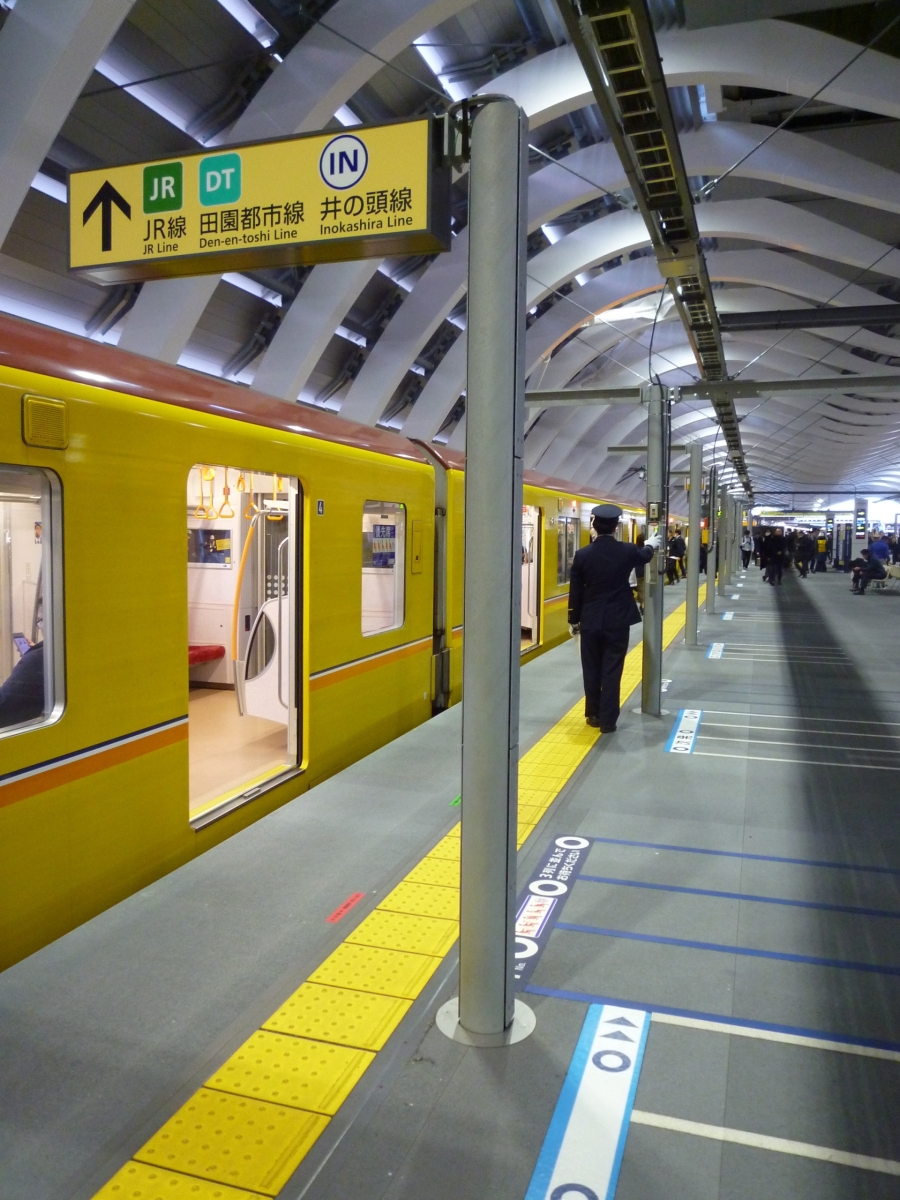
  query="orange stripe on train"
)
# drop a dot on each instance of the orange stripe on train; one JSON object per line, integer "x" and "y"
{"x": 81, "y": 768}
{"x": 367, "y": 664}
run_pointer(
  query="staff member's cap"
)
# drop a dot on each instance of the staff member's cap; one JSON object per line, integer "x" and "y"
{"x": 606, "y": 512}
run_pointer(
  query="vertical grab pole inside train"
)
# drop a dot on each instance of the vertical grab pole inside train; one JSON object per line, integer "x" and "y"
{"x": 695, "y": 499}
{"x": 486, "y": 1012}
{"x": 654, "y": 578}
{"x": 723, "y": 539}
{"x": 712, "y": 494}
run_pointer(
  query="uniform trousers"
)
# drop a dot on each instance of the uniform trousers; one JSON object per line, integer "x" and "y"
{"x": 602, "y": 659}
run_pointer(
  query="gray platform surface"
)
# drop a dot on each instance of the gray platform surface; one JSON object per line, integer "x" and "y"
{"x": 468, "y": 1124}
{"x": 106, "y": 1031}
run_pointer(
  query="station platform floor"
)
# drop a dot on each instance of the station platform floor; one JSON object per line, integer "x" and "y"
{"x": 733, "y": 913}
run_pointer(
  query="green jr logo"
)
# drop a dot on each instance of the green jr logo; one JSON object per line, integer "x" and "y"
{"x": 220, "y": 179}
{"x": 163, "y": 187}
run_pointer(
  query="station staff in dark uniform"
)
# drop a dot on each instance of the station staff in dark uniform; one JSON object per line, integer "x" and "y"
{"x": 602, "y": 608}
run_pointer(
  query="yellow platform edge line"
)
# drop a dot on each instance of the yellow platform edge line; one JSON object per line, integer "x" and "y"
{"x": 545, "y": 769}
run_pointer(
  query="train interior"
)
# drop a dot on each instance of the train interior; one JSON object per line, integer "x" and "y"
{"x": 24, "y": 524}
{"x": 383, "y": 559}
{"x": 568, "y": 540}
{"x": 531, "y": 576}
{"x": 242, "y": 530}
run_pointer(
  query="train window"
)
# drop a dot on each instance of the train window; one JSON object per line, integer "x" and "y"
{"x": 383, "y": 566}
{"x": 568, "y": 541}
{"x": 31, "y": 622}
{"x": 531, "y": 577}
{"x": 243, "y": 635}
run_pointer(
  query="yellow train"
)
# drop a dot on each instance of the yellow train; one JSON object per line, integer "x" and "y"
{"x": 157, "y": 696}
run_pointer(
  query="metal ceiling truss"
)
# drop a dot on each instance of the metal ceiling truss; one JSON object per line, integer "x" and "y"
{"x": 812, "y": 318}
{"x": 617, "y": 47}
{"x": 728, "y": 390}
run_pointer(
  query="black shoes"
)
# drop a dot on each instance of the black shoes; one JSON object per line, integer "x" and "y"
{"x": 593, "y": 722}
{"x": 609, "y": 729}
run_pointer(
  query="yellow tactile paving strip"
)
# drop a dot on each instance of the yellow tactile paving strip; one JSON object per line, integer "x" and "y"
{"x": 244, "y": 1133}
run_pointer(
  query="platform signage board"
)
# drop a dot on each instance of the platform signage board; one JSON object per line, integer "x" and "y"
{"x": 323, "y": 197}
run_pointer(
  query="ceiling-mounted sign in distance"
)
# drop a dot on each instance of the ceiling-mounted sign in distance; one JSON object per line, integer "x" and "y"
{"x": 322, "y": 197}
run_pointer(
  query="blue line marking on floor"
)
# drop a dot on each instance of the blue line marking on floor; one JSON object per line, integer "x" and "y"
{"x": 728, "y": 616}
{"x": 716, "y": 650}
{"x": 582, "y": 1152}
{"x": 689, "y": 891}
{"x": 747, "y": 951}
{"x": 801, "y": 862}
{"x": 684, "y": 731}
{"x": 846, "y": 1039}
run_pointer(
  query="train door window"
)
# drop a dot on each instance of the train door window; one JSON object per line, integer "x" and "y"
{"x": 243, "y": 557}
{"x": 383, "y": 566}
{"x": 531, "y": 577}
{"x": 568, "y": 541}
{"x": 31, "y": 622}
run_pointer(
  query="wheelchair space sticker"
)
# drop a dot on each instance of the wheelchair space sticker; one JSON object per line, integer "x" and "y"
{"x": 582, "y": 1152}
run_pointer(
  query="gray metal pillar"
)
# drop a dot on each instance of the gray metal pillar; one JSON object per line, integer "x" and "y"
{"x": 695, "y": 500}
{"x": 713, "y": 494}
{"x": 722, "y": 539}
{"x": 738, "y": 534}
{"x": 729, "y": 557}
{"x": 487, "y": 1013}
{"x": 654, "y": 577}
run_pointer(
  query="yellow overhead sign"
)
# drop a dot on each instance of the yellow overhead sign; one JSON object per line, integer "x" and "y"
{"x": 324, "y": 197}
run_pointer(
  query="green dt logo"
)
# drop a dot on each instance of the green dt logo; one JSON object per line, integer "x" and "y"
{"x": 162, "y": 187}
{"x": 220, "y": 179}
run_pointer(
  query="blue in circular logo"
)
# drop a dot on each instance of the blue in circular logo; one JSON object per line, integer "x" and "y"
{"x": 343, "y": 162}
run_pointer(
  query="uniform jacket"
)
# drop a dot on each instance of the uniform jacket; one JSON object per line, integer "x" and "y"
{"x": 599, "y": 595}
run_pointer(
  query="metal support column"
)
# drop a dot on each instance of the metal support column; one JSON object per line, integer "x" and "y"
{"x": 654, "y": 577}
{"x": 713, "y": 495}
{"x": 728, "y": 547}
{"x": 695, "y": 499}
{"x": 486, "y": 1013}
{"x": 736, "y": 540}
{"x": 723, "y": 539}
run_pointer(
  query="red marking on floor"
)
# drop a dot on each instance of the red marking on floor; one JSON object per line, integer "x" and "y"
{"x": 343, "y": 909}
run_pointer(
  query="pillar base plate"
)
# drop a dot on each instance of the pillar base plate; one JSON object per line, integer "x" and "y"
{"x": 663, "y": 712}
{"x": 523, "y": 1024}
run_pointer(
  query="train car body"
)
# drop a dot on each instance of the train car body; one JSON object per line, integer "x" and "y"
{"x": 315, "y": 615}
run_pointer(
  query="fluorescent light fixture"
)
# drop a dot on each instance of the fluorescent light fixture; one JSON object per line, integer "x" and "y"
{"x": 194, "y": 362}
{"x": 349, "y": 336}
{"x": 141, "y": 92}
{"x": 17, "y": 307}
{"x": 552, "y": 233}
{"x": 431, "y": 56}
{"x": 255, "y": 289}
{"x": 50, "y": 187}
{"x": 346, "y": 117}
{"x": 401, "y": 283}
{"x": 254, "y": 22}
{"x": 416, "y": 369}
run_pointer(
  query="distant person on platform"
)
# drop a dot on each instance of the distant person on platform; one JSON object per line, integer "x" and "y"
{"x": 806, "y": 548}
{"x": 602, "y": 609}
{"x": 821, "y": 551}
{"x": 880, "y": 551}
{"x": 865, "y": 569}
{"x": 746, "y": 550}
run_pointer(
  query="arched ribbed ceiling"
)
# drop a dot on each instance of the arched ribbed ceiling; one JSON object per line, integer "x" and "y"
{"x": 809, "y": 218}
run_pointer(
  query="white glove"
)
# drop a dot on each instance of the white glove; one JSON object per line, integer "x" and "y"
{"x": 574, "y": 630}
{"x": 653, "y": 542}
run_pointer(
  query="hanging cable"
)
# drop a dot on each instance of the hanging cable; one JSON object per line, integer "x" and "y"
{"x": 707, "y": 190}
